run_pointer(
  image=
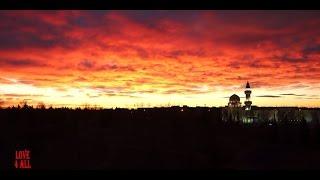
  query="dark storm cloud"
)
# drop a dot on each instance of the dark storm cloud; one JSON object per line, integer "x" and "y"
{"x": 234, "y": 65}
{"x": 87, "y": 64}
{"x": 27, "y": 29}
{"x": 148, "y": 91}
{"x": 246, "y": 40}
{"x": 115, "y": 67}
{"x": 110, "y": 89}
{"x": 89, "y": 18}
{"x": 270, "y": 19}
{"x": 21, "y": 63}
{"x": 151, "y": 18}
{"x": 13, "y": 36}
{"x": 81, "y": 79}
{"x": 120, "y": 95}
{"x": 238, "y": 78}
{"x": 290, "y": 59}
{"x": 249, "y": 60}
{"x": 292, "y": 94}
{"x": 300, "y": 85}
{"x": 312, "y": 49}
{"x": 177, "y": 53}
{"x": 26, "y": 81}
{"x": 283, "y": 29}
{"x": 20, "y": 40}
{"x": 23, "y": 95}
{"x": 183, "y": 91}
{"x": 125, "y": 48}
{"x": 269, "y": 96}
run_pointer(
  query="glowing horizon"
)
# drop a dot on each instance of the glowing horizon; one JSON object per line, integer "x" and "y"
{"x": 159, "y": 58}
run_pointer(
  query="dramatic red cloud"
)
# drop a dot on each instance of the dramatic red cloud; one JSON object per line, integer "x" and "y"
{"x": 120, "y": 58}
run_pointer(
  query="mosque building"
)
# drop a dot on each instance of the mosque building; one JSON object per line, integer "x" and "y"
{"x": 239, "y": 112}
{"x": 247, "y": 114}
{"x": 234, "y": 100}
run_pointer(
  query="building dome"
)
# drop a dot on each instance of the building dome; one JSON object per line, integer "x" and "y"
{"x": 234, "y": 98}
{"x": 234, "y": 101}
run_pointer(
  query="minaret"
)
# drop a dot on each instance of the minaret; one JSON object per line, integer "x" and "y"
{"x": 248, "y": 93}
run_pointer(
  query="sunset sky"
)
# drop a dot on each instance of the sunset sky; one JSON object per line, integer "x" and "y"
{"x": 159, "y": 58}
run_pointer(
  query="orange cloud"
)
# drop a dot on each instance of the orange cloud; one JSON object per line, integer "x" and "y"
{"x": 154, "y": 56}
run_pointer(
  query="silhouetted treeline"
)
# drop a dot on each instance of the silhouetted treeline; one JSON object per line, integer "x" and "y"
{"x": 152, "y": 138}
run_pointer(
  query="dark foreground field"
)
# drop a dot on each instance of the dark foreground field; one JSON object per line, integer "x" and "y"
{"x": 152, "y": 139}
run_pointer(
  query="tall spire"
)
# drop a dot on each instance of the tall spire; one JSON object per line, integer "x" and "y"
{"x": 248, "y": 85}
{"x": 248, "y": 93}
